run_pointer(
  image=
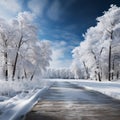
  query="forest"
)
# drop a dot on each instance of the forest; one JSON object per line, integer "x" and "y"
{"x": 98, "y": 56}
{"x": 24, "y": 56}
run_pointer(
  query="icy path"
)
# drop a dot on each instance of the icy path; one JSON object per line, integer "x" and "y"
{"x": 66, "y": 101}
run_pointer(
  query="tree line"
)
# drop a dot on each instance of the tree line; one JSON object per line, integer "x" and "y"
{"x": 99, "y": 54}
{"x": 22, "y": 54}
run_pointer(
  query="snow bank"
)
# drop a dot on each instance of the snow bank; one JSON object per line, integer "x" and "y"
{"x": 16, "y": 107}
{"x": 111, "y": 89}
{"x": 11, "y": 88}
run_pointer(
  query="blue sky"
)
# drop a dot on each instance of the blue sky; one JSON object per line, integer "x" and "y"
{"x": 60, "y": 21}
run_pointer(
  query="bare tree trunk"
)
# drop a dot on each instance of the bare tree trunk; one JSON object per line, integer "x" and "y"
{"x": 99, "y": 72}
{"x": 6, "y": 66}
{"x": 25, "y": 74}
{"x": 109, "y": 64}
{"x": 5, "y": 55}
{"x": 117, "y": 76}
{"x": 109, "y": 58}
{"x": 86, "y": 70}
{"x": 31, "y": 78}
{"x": 99, "y": 77}
{"x": 113, "y": 67}
{"x": 16, "y": 58}
{"x": 6, "y": 60}
{"x": 95, "y": 75}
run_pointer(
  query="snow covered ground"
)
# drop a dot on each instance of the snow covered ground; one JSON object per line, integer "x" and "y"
{"x": 15, "y": 104}
{"x": 111, "y": 89}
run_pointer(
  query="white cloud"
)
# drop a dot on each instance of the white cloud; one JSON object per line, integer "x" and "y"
{"x": 54, "y": 10}
{"x": 59, "y": 51}
{"x": 59, "y": 60}
{"x": 9, "y": 8}
{"x": 57, "y": 9}
{"x": 11, "y": 5}
{"x": 37, "y": 6}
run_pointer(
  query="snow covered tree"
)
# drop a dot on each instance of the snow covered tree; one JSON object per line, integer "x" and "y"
{"x": 23, "y": 54}
{"x": 42, "y": 53}
{"x": 6, "y": 37}
{"x": 100, "y": 45}
{"x": 76, "y": 70}
{"x": 110, "y": 24}
{"x": 58, "y": 73}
